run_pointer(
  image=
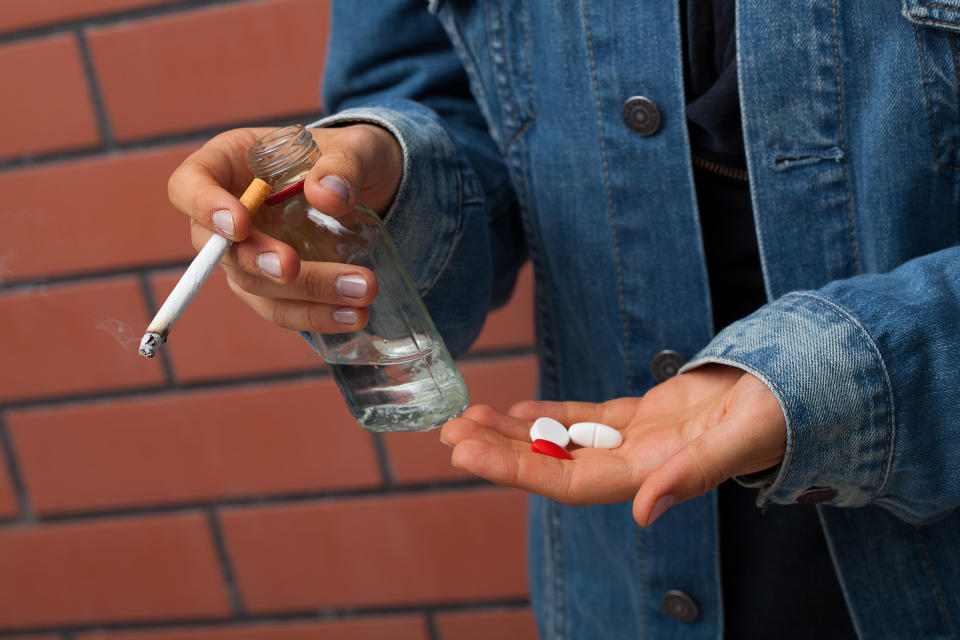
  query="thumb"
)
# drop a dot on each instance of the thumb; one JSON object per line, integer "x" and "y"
{"x": 749, "y": 437}
{"x": 358, "y": 163}
{"x": 692, "y": 471}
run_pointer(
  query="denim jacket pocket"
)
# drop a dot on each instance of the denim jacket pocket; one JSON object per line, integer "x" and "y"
{"x": 937, "y": 34}
{"x": 490, "y": 37}
{"x": 939, "y": 13}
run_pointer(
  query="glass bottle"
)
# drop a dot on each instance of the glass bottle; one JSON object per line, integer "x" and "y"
{"x": 395, "y": 374}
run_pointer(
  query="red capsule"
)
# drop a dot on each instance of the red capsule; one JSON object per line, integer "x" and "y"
{"x": 548, "y": 448}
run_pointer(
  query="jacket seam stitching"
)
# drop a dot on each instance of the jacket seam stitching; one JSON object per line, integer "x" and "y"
{"x": 457, "y": 231}
{"x": 526, "y": 61}
{"x": 506, "y": 83}
{"x": 956, "y": 56}
{"x": 954, "y": 38}
{"x": 926, "y": 91}
{"x": 941, "y": 602}
{"x": 940, "y": 6}
{"x": 929, "y": 96}
{"x": 846, "y": 168}
{"x": 942, "y": 23}
{"x": 610, "y": 211}
{"x": 642, "y": 585}
{"x": 878, "y": 362}
{"x": 559, "y": 579}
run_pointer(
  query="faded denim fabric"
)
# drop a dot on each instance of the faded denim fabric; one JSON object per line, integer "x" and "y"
{"x": 509, "y": 115}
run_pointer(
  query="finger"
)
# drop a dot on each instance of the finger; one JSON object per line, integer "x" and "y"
{"x": 259, "y": 255}
{"x": 300, "y": 315}
{"x": 475, "y": 424}
{"x": 203, "y": 185}
{"x": 326, "y": 282}
{"x": 360, "y": 163}
{"x": 592, "y": 480}
{"x": 506, "y": 425}
{"x": 719, "y": 453}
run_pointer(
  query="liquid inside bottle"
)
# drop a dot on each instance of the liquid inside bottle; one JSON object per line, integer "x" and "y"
{"x": 395, "y": 374}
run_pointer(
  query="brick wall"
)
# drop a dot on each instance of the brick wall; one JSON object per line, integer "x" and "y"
{"x": 221, "y": 490}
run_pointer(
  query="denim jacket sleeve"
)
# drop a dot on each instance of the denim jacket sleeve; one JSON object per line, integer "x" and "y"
{"x": 454, "y": 216}
{"x": 866, "y": 373}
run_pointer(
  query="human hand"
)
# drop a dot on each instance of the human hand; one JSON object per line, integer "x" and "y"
{"x": 358, "y": 163}
{"x": 681, "y": 439}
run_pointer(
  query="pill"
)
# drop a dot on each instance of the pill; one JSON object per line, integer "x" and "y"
{"x": 548, "y": 448}
{"x": 550, "y": 429}
{"x": 594, "y": 434}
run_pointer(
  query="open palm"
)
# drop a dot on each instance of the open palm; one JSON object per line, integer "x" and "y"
{"x": 681, "y": 439}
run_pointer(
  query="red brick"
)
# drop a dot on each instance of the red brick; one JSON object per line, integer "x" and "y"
{"x": 261, "y": 440}
{"x": 421, "y": 457}
{"x": 110, "y": 212}
{"x": 211, "y": 66}
{"x": 73, "y": 338}
{"x": 400, "y": 627}
{"x": 511, "y": 326}
{"x": 8, "y": 499}
{"x": 221, "y": 337}
{"x": 18, "y": 14}
{"x": 46, "y": 105}
{"x": 398, "y": 550}
{"x": 502, "y": 624}
{"x": 109, "y": 570}
{"x": 43, "y": 636}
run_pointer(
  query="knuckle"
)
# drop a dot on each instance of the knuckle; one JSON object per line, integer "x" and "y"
{"x": 482, "y": 413}
{"x": 276, "y": 314}
{"x": 318, "y": 317}
{"x": 173, "y": 184}
{"x": 707, "y": 473}
{"x": 349, "y": 161}
{"x": 197, "y": 202}
{"x": 315, "y": 285}
{"x": 245, "y": 281}
{"x": 368, "y": 136}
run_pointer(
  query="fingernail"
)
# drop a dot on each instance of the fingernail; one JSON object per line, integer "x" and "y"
{"x": 664, "y": 503}
{"x": 351, "y": 286}
{"x": 223, "y": 221}
{"x": 345, "y": 315}
{"x": 269, "y": 264}
{"x": 338, "y": 185}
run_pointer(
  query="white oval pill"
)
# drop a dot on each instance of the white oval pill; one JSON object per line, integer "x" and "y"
{"x": 550, "y": 429}
{"x": 594, "y": 434}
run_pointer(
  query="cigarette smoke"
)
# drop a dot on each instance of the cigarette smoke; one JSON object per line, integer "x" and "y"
{"x": 122, "y": 332}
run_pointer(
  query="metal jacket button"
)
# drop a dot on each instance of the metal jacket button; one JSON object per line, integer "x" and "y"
{"x": 679, "y": 606}
{"x": 641, "y": 115}
{"x": 666, "y": 364}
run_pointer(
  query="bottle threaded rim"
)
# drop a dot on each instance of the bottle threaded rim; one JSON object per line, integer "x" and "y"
{"x": 279, "y": 150}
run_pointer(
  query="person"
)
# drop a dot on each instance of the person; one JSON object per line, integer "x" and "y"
{"x": 743, "y": 221}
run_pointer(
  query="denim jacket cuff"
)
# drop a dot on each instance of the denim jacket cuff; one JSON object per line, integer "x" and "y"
{"x": 425, "y": 220}
{"x": 833, "y": 388}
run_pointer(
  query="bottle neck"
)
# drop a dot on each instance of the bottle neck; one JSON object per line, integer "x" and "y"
{"x": 283, "y": 157}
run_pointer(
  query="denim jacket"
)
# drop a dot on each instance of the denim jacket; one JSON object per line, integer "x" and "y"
{"x": 510, "y": 114}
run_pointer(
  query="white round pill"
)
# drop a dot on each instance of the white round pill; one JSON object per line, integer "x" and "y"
{"x": 594, "y": 434}
{"x": 550, "y": 429}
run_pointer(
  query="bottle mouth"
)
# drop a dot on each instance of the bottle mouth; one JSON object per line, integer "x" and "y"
{"x": 278, "y": 150}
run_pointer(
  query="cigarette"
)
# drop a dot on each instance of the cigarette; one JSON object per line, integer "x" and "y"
{"x": 195, "y": 275}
